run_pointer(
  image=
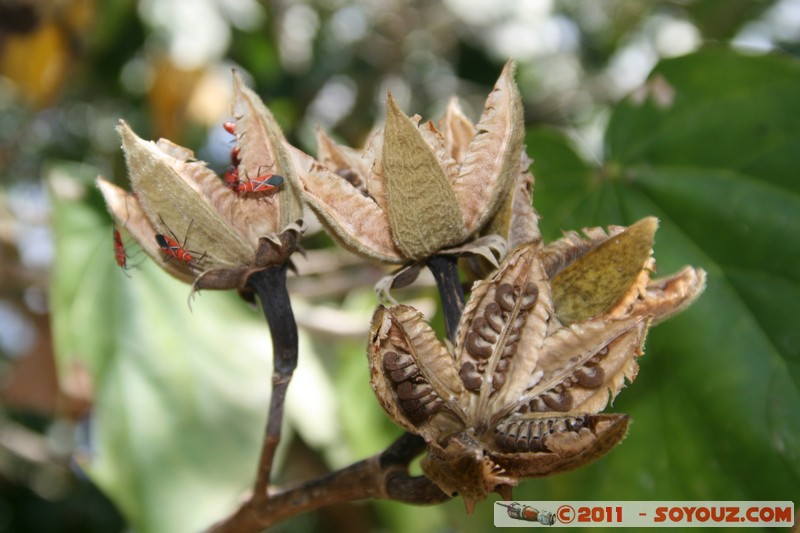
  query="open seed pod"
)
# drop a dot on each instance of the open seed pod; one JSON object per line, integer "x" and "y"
{"x": 521, "y": 393}
{"x": 191, "y": 223}
{"x": 418, "y": 190}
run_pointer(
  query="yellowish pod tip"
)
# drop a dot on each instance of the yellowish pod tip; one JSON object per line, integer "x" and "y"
{"x": 596, "y": 281}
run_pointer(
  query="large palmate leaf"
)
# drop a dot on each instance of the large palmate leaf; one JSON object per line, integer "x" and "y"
{"x": 711, "y": 146}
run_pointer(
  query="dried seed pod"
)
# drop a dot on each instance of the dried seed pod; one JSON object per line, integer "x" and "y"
{"x": 521, "y": 394}
{"x": 412, "y": 373}
{"x": 597, "y": 280}
{"x": 180, "y": 209}
{"x": 418, "y": 191}
{"x": 424, "y": 213}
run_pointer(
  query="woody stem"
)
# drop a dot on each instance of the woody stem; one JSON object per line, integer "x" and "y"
{"x": 270, "y": 286}
{"x": 384, "y": 476}
{"x": 445, "y": 271}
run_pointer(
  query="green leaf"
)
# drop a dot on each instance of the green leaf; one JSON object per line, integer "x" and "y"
{"x": 720, "y": 20}
{"x": 728, "y": 111}
{"x": 712, "y": 151}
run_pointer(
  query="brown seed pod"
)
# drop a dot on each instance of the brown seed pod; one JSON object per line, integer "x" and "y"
{"x": 520, "y": 395}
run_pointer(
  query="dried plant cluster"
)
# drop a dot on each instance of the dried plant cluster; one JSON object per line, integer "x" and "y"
{"x": 418, "y": 191}
{"x": 415, "y": 191}
{"x": 230, "y": 236}
{"x": 544, "y": 343}
{"x": 519, "y": 395}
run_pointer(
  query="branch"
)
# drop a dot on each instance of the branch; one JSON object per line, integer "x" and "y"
{"x": 270, "y": 285}
{"x": 382, "y": 476}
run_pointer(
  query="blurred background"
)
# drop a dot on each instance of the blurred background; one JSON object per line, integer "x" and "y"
{"x": 83, "y": 393}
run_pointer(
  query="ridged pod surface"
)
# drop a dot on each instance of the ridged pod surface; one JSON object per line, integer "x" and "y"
{"x": 520, "y": 395}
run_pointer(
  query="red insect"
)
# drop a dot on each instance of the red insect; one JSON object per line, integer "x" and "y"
{"x": 120, "y": 255}
{"x": 171, "y": 247}
{"x": 264, "y": 185}
{"x": 119, "y": 250}
{"x": 231, "y": 179}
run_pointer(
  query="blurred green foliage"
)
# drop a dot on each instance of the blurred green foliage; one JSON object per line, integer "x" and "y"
{"x": 169, "y": 426}
{"x": 717, "y": 383}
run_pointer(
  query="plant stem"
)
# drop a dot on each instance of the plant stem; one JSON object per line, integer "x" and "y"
{"x": 445, "y": 271}
{"x": 270, "y": 285}
{"x": 381, "y": 476}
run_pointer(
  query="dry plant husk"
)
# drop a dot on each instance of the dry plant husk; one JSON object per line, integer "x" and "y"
{"x": 543, "y": 346}
{"x": 229, "y": 236}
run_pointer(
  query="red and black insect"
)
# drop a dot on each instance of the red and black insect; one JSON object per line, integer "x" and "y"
{"x": 120, "y": 255}
{"x": 231, "y": 179}
{"x": 170, "y": 246}
{"x": 264, "y": 185}
{"x": 231, "y": 176}
{"x": 119, "y": 250}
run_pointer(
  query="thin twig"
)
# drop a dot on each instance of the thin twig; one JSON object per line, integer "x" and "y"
{"x": 383, "y": 476}
{"x": 270, "y": 285}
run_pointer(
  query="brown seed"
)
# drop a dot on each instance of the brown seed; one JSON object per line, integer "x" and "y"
{"x": 470, "y": 377}
{"x": 481, "y": 326}
{"x": 498, "y": 380}
{"x": 404, "y": 374}
{"x": 575, "y": 424}
{"x": 477, "y": 346}
{"x": 590, "y": 376}
{"x": 512, "y": 337}
{"x": 408, "y": 390}
{"x": 494, "y": 317}
{"x": 529, "y": 296}
{"x": 509, "y": 349}
{"x": 523, "y": 438}
{"x": 350, "y": 175}
{"x": 504, "y": 441}
{"x": 505, "y": 297}
{"x": 506, "y": 436}
{"x": 396, "y": 360}
{"x": 419, "y": 402}
{"x": 537, "y": 405}
{"x": 537, "y": 432}
{"x": 421, "y": 412}
{"x": 557, "y": 400}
